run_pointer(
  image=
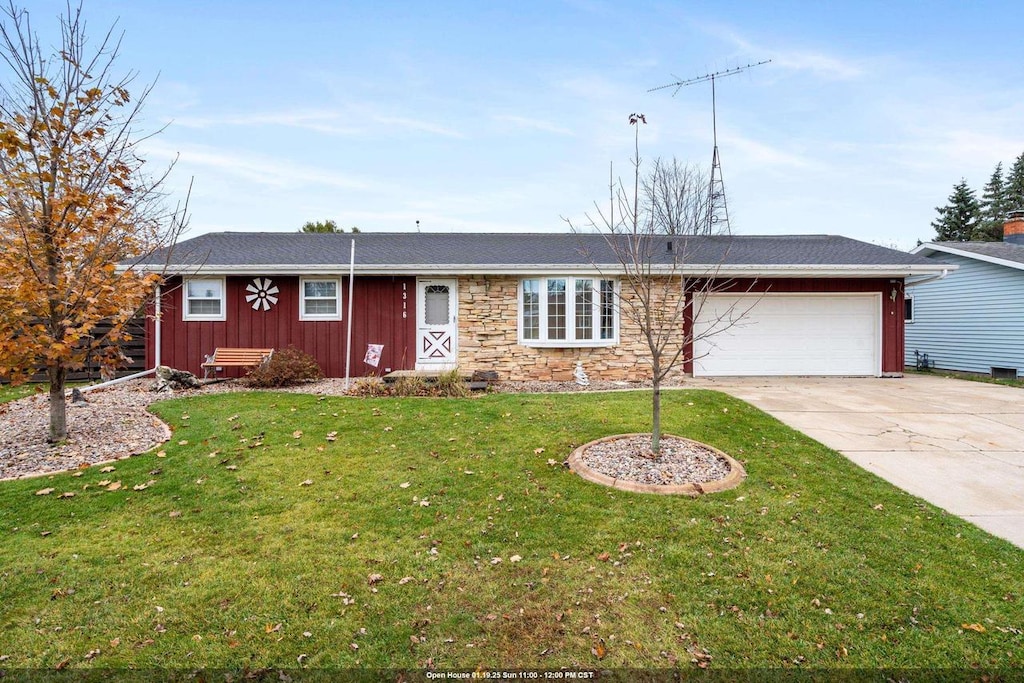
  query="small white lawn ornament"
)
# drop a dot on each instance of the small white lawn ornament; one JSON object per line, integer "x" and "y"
{"x": 580, "y": 375}
{"x": 263, "y": 291}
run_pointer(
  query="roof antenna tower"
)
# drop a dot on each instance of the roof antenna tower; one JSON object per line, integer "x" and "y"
{"x": 718, "y": 209}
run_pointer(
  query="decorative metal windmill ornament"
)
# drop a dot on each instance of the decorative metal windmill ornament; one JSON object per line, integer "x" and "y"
{"x": 263, "y": 291}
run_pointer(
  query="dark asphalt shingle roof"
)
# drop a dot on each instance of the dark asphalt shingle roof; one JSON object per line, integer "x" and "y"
{"x": 1000, "y": 250}
{"x": 236, "y": 249}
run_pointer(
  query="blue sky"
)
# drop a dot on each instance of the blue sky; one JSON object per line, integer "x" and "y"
{"x": 505, "y": 116}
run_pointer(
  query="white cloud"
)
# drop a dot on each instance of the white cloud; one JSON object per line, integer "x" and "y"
{"x": 261, "y": 170}
{"x": 532, "y": 124}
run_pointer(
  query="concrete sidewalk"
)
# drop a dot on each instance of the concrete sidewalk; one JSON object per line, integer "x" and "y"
{"x": 957, "y": 444}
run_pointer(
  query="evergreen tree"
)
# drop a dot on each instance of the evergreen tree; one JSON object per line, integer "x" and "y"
{"x": 993, "y": 208}
{"x": 959, "y": 220}
{"x": 1014, "y": 185}
{"x": 324, "y": 226}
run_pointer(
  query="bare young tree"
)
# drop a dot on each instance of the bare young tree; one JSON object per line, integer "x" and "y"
{"x": 653, "y": 231}
{"x": 75, "y": 200}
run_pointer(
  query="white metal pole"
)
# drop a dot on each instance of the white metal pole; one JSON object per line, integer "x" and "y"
{"x": 348, "y": 342}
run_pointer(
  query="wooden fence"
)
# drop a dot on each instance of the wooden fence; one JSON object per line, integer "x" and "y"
{"x": 135, "y": 349}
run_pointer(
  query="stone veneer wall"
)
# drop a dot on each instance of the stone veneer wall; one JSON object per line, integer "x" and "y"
{"x": 489, "y": 340}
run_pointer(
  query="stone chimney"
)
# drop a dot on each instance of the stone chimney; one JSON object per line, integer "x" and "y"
{"x": 1013, "y": 228}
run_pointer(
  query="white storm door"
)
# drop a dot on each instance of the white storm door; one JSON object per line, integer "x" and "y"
{"x": 437, "y": 324}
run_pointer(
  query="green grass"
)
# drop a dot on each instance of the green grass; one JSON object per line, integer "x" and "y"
{"x": 228, "y": 560}
{"x": 10, "y": 393}
{"x": 969, "y": 376}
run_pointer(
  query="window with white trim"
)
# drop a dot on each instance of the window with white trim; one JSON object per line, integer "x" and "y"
{"x": 908, "y": 308}
{"x": 320, "y": 299}
{"x": 568, "y": 311}
{"x": 204, "y": 299}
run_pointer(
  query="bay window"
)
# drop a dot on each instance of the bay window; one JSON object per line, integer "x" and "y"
{"x": 568, "y": 311}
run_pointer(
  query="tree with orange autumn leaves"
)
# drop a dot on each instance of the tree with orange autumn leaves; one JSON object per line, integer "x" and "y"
{"x": 75, "y": 201}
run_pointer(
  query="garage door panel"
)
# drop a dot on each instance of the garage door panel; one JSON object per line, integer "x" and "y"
{"x": 788, "y": 335}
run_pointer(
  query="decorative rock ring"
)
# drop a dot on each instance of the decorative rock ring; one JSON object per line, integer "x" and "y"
{"x": 733, "y": 479}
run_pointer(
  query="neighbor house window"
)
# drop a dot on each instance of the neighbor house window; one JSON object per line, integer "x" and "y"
{"x": 204, "y": 299}
{"x": 908, "y": 309}
{"x": 319, "y": 299}
{"x": 567, "y": 311}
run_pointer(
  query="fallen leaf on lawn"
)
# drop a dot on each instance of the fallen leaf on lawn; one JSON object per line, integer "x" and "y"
{"x": 67, "y": 494}
{"x": 62, "y": 665}
{"x": 599, "y": 651}
{"x": 272, "y": 628}
{"x": 515, "y": 558}
{"x": 974, "y": 627}
{"x": 115, "y": 486}
{"x": 331, "y": 436}
{"x": 161, "y": 454}
{"x": 424, "y": 503}
{"x": 538, "y": 451}
{"x": 231, "y": 468}
{"x": 604, "y": 556}
{"x": 878, "y": 507}
{"x": 552, "y": 461}
{"x": 108, "y": 468}
{"x": 467, "y": 471}
{"x": 307, "y": 482}
{"x": 404, "y": 485}
{"x": 500, "y": 497}
{"x": 374, "y": 578}
{"x": 495, "y": 560}
{"x": 115, "y": 642}
{"x": 44, "y": 492}
{"x": 297, "y": 434}
{"x": 103, "y": 482}
{"x": 404, "y": 580}
{"x": 183, "y": 442}
{"x": 174, "y": 513}
{"x": 307, "y": 634}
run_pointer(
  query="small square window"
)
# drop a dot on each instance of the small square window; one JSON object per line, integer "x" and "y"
{"x": 908, "y": 309}
{"x": 320, "y": 299}
{"x": 204, "y": 299}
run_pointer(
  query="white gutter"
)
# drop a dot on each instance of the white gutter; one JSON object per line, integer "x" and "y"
{"x": 930, "y": 278}
{"x": 686, "y": 270}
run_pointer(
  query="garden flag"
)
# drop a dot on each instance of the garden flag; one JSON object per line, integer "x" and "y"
{"x": 373, "y": 352}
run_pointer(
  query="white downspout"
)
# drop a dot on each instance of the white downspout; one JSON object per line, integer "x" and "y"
{"x": 157, "y": 328}
{"x": 156, "y": 351}
{"x": 351, "y": 284}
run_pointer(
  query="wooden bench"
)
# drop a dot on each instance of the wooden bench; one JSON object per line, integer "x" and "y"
{"x": 235, "y": 358}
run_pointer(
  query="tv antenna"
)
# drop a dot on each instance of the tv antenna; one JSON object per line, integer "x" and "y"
{"x": 718, "y": 208}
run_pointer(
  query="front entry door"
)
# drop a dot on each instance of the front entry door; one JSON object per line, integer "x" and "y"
{"x": 437, "y": 324}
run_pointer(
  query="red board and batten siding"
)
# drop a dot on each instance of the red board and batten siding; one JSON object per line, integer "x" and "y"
{"x": 378, "y": 307}
{"x": 892, "y": 307}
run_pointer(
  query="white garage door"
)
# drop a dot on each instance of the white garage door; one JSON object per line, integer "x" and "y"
{"x": 788, "y": 334}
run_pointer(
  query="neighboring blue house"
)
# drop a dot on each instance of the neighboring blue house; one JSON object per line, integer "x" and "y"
{"x": 973, "y": 319}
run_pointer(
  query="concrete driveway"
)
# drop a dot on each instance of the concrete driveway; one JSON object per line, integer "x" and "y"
{"x": 957, "y": 444}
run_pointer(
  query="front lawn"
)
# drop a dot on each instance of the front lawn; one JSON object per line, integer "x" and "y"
{"x": 283, "y": 530}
